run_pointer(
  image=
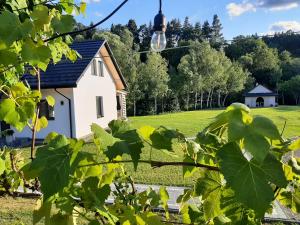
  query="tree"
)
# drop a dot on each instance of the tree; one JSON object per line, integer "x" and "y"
{"x": 197, "y": 32}
{"x": 187, "y": 30}
{"x": 206, "y": 30}
{"x": 292, "y": 88}
{"x": 155, "y": 78}
{"x": 236, "y": 80}
{"x": 217, "y": 39}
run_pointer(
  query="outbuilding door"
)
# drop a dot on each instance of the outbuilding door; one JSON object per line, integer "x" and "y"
{"x": 260, "y": 102}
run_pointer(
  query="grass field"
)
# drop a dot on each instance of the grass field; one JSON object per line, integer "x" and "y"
{"x": 190, "y": 123}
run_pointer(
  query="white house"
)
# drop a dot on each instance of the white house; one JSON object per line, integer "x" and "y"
{"x": 260, "y": 96}
{"x": 91, "y": 90}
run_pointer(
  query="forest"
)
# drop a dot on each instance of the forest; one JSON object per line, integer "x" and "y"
{"x": 200, "y": 69}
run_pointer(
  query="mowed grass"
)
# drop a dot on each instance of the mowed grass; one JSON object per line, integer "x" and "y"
{"x": 190, "y": 123}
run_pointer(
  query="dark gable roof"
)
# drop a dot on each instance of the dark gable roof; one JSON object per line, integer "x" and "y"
{"x": 65, "y": 74}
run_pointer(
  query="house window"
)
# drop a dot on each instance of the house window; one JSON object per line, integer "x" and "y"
{"x": 46, "y": 110}
{"x": 100, "y": 63}
{"x": 94, "y": 67}
{"x": 118, "y": 103}
{"x": 99, "y": 106}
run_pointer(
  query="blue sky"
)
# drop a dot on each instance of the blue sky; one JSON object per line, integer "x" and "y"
{"x": 237, "y": 16}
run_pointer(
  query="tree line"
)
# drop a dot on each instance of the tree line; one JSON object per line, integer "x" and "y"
{"x": 203, "y": 71}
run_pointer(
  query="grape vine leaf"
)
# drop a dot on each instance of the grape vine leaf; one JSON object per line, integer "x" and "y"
{"x": 257, "y": 145}
{"x": 162, "y": 138}
{"x": 265, "y": 127}
{"x": 2, "y": 166}
{"x": 164, "y": 197}
{"x": 209, "y": 187}
{"x": 291, "y": 198}
{"x": 53, "y": 160}
{"x": 247, "y": 179}
{"x": 128, "y": 141}
{"x": 93, "y": 195}
{"x": 64, "y": 24}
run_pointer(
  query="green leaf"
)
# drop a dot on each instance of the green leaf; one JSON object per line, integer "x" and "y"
{"x": 82, "y": 7}
{"x": 40, "y": 16}
{"x": 53, "y": 160}
{"x": 291, "y": 199}
{"x": 59, "y": 219}
{"x": 162, "y": 138}
{"x": 42, "y": 209}
{"x": 146, "y": 132}
{"x": 42, "y": 123}
{"x": 273, "y": 170}
{"x": 265, "y": 127}
{"x": 102, "y": 139}
{"x": 257, "y": 145}
{"x": 164, "y": 197}
{"x": 2, "y": 166}
{"x": 50, "y": 100}
{"x": 9, "y": 29}
{"x": 129, "y": 141}
{"x": 295, "y": 145}
{"x": 207, "y": 183}
{"x": 36, "y": 55}
{"x": 63, "y": 24}
{"x": 188, "y": 171}
{"x": 209, "y": 187}
{"x": 236, "y": 127}
{"x": 93, "y": 195}
{"x": 246, "y": 178}
{"x": 50, "y": 137}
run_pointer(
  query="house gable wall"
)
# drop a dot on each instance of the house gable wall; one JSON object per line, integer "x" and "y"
{"x": 88, "y": 88}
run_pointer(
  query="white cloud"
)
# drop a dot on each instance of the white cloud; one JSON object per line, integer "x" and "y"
{"x": 237, "y": 9}
{"x": 91, "y": 1}
{"x": 98, "y": 14}
{"x": 283, "y": 26}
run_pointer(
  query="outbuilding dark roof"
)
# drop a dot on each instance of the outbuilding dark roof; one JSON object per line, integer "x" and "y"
{"x": 259, "y": 94}
{"x": 65, "y": 74}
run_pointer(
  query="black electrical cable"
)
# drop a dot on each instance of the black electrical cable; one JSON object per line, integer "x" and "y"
{"x": 88, "y": 28}
{"x": 160, "y": 6}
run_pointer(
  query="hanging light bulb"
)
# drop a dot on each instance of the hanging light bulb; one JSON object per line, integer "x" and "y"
{"x": 158, "y": 40}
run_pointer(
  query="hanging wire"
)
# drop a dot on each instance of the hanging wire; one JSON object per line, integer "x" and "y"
{"x": 160, "y": 6}
{"x": 90, "y": 27}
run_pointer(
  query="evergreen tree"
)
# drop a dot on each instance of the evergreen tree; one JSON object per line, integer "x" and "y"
{"x": 187, "y": 30}
{"x": 217, "y": 39}
{"x": 132, "y": 27}
{"x": 197, "y": 32}
{"x": 206, "y": 30}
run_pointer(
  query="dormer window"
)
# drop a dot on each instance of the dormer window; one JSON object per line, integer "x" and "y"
{"x": 100, "y": 69}
{"x": 94, "y": 67}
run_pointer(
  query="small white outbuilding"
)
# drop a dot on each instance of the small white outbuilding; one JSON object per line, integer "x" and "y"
{"x": 260, "y": 96}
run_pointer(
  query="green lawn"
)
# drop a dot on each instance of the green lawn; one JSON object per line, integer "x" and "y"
{"x": 190, "y": 123}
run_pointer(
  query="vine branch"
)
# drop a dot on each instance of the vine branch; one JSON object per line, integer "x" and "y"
{"x": 157, "y": 164}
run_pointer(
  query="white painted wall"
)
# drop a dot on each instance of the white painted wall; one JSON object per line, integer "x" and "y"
{"x": 89, "y": 86}
{"x": 61, "y": 122}
{"x": 269, "y": 101}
